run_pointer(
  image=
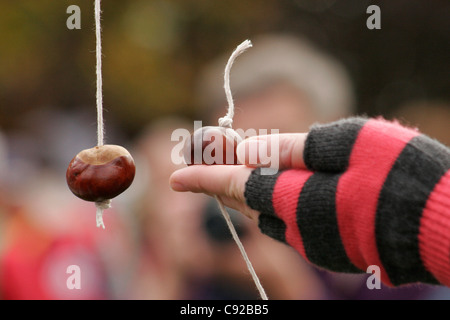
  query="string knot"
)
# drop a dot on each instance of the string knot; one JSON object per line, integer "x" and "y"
{"x": 226, "y": 122}
{"x": 101, "y": 205}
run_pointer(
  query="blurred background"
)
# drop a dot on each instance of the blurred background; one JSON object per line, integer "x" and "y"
{"x": 163, "y": 61}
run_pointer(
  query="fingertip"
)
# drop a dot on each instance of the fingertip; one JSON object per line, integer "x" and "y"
{"x": 175, "y": 183}
{"x": 176, "y": 186}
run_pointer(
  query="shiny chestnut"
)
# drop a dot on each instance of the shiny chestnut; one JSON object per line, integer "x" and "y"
{"x": 212, "y": 145}
{"x": 100, "y": 173}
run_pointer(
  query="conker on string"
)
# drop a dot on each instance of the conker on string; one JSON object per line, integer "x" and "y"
{"x": 100, "y": 173}
{"x": 212, "y": 145}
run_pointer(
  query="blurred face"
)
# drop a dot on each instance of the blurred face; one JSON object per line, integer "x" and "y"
{"x": 175, "y": 217}
{"x": 280, "y": 106}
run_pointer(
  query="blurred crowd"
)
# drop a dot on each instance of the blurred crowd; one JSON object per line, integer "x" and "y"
{"x": 159, "y": 244}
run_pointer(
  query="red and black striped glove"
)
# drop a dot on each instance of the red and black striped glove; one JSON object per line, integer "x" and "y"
{"x": 376, "y": 193}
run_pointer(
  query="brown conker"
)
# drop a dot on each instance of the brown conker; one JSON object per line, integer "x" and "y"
{"x": 100, "y": 173}
{"x": 212, "y": 145}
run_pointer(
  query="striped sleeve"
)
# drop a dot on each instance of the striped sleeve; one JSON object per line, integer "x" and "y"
{"x": 375, "y": 193}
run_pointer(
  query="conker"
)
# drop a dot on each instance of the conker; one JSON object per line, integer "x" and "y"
{"x": 100, "y": 173}
{"x": 212, "y": 145}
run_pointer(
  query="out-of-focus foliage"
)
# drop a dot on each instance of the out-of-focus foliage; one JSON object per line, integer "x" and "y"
{"x": 153, "y": 51}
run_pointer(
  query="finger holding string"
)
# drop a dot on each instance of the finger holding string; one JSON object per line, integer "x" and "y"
{"x": 227, "y": 136}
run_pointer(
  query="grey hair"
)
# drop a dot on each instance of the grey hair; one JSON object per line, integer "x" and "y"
{"x": 274, "y": 58}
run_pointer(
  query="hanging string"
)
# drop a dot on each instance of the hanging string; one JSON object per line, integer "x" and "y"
{"x": 98, "y": 50}
{"x": 227, "y": 122}
{"x": 103, "y": 205}
{"x": 241, "y": 248}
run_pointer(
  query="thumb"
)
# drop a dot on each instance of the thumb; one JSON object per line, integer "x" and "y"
{"x": 279, "y": 151}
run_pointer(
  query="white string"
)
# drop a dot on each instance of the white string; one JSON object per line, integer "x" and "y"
{"x": 241, "y": 248}
{"x": 227, "y": 120}
{"x": 103, "y": 205}
{"x": 98, "y": 36}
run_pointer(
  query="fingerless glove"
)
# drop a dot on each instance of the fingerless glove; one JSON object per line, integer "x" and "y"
{"x": 374, "y": 193}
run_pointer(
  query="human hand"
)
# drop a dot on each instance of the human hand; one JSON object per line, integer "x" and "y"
{"x": 228, "y": 181}
{"x": 360, "y": 192}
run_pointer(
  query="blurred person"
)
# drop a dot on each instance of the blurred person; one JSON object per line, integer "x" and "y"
{"x": 286, "y": 83}
{"x": 283, "y": 82}
{"x": 173, "y": 251}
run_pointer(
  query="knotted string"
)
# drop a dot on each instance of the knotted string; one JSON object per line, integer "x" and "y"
{"x": 227, "y": 122}
{"x": 102, "y": 205}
